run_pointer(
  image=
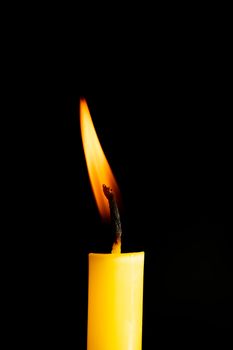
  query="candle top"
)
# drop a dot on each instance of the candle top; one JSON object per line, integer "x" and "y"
{"x": 115, "y": 255}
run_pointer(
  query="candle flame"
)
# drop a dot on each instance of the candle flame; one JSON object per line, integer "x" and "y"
{"x": 98, "y": 168}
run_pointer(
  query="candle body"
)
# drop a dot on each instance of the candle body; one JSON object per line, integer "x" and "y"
{"x": 115, "y": 301}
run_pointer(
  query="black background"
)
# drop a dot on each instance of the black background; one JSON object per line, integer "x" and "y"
{"x": 159, "y": 98}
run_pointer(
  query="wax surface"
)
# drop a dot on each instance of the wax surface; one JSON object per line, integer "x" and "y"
{"x": 115, "y": 301}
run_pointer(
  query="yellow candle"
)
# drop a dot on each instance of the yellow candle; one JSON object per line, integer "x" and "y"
{"x": 115, "y": 301}
{"x": 115, "y": 282}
